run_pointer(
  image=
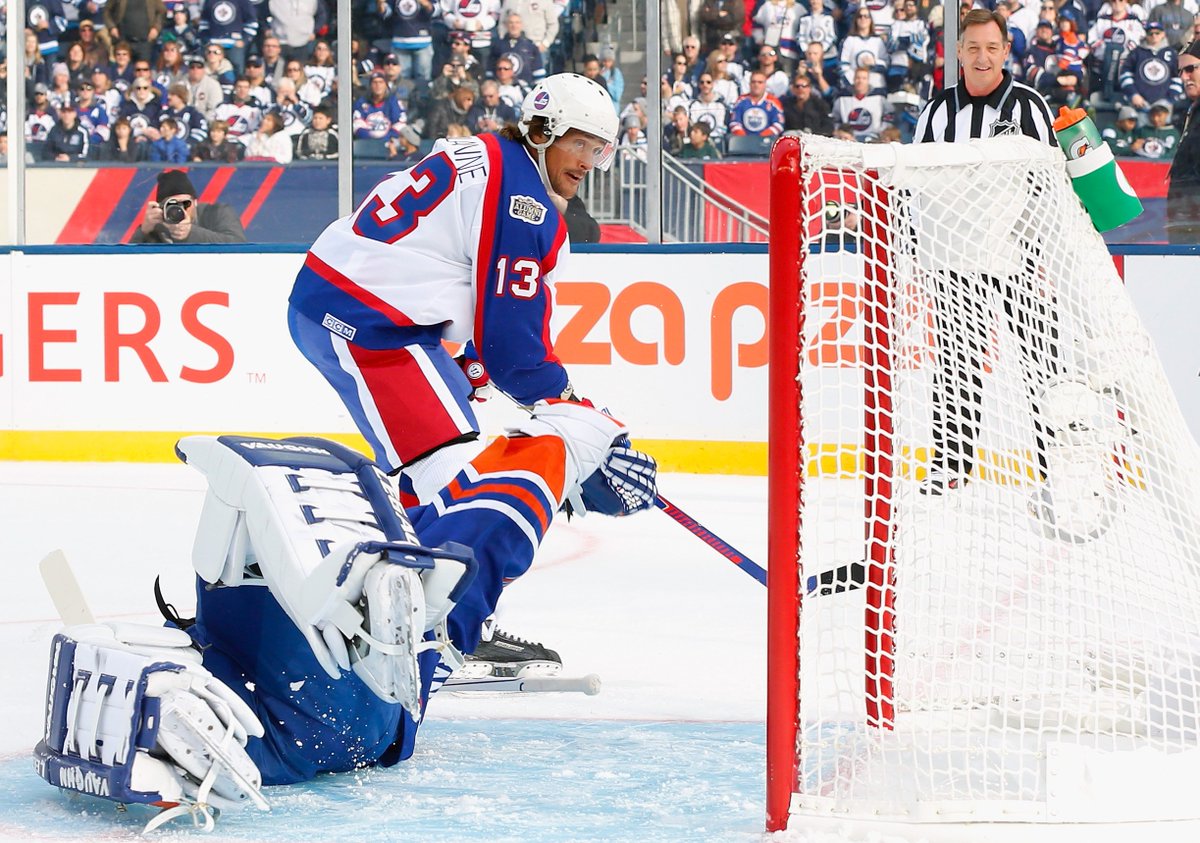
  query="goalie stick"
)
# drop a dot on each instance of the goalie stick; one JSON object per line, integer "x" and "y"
{"x": 64, "y": 589}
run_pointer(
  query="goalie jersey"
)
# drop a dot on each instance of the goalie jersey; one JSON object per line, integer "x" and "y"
{"x": 462, "y": 246}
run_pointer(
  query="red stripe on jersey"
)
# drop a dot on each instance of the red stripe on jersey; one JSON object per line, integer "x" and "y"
{"x": 487, "y": 230}
{"x": 402, "y": 392}
{"x": 348, "y": 287}
{"x": 96, "y": 205}
{"x": 543, "y": 455}
{"x": 560, "y": 237}
{"x": 493, "y": 487}
{"x": 260, "y": 195}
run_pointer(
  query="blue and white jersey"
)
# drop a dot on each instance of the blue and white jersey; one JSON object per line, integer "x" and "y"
{"x": 225, "y": 22}
{"x": 95, "y": 120}
{"x": 465, "y": 244}
{"x": 379, "y": 120}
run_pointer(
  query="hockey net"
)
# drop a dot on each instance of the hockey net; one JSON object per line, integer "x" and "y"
{"x": 1023, "y": 647}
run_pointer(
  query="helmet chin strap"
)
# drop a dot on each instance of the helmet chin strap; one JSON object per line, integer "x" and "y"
{"x": 559, "y": 202}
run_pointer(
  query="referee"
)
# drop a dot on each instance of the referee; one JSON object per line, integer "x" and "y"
{"x": 986, "y": 103}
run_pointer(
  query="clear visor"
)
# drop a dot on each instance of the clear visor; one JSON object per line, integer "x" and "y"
{"x": 596, "y": 152}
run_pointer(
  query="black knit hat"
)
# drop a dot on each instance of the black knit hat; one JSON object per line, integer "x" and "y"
{"x": 1193, "y": 49}
{"x": 172, "y": 183}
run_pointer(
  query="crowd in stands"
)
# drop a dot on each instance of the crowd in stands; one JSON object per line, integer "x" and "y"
{"x": 229, "y": 80}
{"x": 863, "y": 70}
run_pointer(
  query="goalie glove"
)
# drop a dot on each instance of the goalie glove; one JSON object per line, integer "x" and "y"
{"x": 133, "y": 716}
{"x": 626, "y": 482}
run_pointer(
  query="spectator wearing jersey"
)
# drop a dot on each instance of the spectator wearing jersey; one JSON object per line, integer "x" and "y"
{"x": 220, "y": 68}
{"x": 242, "y": 113}
{"x": 123, "y": 147}
{"x": 803, "y": 112}
{"x": 908, "y": 47}
{"x": 1176, "y": 20}
{"x": 1071, "y": 53}
{"x": 718, "y": 17}
{"x": 319, "y": 141}
{"x": 219, "y": 147}
{"x": 47, "y": 19}
{"x": 514, "y": 46}
{"x": 230, "y": 24}
{"x": 93, "y": 116}
{"x": 756, "y": 112}
{"x": 1016, "y": 37}
{"x": 410, "y": 23}
{"x": 512, "y": 89}
{"x": 1112, "y": 38}
{"x": 1122, "y": 133}
{"x": 169, "y": 146}
{"x": 379, "y": 115}
{"x": 477, "y": 18}
{"x": 1039, "y": 68}
{"x": 863, "y": 48}
{"x": 768, "y": 65}
{"x": 1150, "y": 73}
{"x": 121, "y": 72}
{"x": 288, "y": 107}
{"x": 204, "y": 92}
{"x": 610, "y": 75}
{"x": 66, "y": 141}
{"x": 136, "y": 23}
{"x": 1183, "y": 192}
{"x": 170, "y": 67}
{"x": 540, "y": 20}
{"x": 77, "y": 68}
{"x": 295, "y": 24}
{"x": 60, "y": 87}
{"x": 725, "y": 86}
{"x": 260, "y": 88}
{"x": 778, "y": 20}
{"x": 820, "y": 27}
{"x": 190, "y": 124}
{"x": 1157, "y": 139}
{"x": 709, "y": 108}
{"x": 141, "y": 108}
{"x": 490, "y": 113}
{"x": 861, "y": 110}
{"x": 179, "y": 27}
{"x": 105, "y": 94}
{"x": 269, "y": 142}
{"x": 320, "y": 73}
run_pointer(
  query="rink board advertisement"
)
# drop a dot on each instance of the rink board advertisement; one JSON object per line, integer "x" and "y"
{"x": 111, "y": 356}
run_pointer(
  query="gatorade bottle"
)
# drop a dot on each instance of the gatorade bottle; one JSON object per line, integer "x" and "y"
{"x": 1098, "y": 181}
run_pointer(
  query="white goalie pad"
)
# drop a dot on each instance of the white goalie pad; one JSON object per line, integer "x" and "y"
{"x": 322, "y": 527}
{"x": 132, "y": 716}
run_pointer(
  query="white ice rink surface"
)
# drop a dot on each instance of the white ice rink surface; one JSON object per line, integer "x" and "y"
{"x": 671, "y": 749}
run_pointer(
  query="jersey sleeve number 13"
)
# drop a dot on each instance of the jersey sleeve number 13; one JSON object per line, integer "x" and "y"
{"x": 432, "y": 182}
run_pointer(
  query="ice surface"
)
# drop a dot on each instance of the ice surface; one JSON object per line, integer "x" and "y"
{"x": 672, "y": 748}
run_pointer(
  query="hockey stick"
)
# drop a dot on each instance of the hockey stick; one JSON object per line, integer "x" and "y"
{"x": 712, "y": 540}
{"x": 589, "y": 684}
{"x": 64, "y": 589}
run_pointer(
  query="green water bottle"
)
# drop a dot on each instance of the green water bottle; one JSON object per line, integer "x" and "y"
{"x": 1098, "y": 181}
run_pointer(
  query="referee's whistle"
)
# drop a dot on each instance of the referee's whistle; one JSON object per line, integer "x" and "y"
{"x": 1095, "y": 176}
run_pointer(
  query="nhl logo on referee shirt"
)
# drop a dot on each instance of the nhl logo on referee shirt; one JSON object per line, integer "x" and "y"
{"x": 1003, "y": 128}
{"x": 526, "y": 208}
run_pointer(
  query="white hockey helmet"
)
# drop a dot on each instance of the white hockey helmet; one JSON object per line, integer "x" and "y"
{"x": 570, "y": 101}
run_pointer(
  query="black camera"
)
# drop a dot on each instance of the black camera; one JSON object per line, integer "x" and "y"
{"x": 175, "y": 210}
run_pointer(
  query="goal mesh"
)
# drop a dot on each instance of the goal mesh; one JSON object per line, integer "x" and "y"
{"x": 1019, "y": 643}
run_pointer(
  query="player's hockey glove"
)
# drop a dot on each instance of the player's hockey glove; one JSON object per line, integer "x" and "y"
{"x": 477, "y": 375}
{"x": 625, "y": 483}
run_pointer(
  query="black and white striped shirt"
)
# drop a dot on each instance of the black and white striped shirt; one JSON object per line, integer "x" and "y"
{"x": 1013, "y": 108}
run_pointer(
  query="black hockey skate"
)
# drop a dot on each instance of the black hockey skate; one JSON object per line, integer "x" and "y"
{"x": 506, "y": 656}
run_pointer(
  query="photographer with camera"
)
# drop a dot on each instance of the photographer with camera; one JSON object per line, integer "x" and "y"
{"x": 176, "y": 217}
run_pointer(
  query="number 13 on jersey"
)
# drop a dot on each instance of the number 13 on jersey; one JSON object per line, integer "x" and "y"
{"x": 521, "y": 280}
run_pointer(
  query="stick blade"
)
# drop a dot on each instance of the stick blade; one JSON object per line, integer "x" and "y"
{"x": 64, "y": 589}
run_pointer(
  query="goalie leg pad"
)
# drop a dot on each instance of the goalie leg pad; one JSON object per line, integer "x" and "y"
{"x": 131, "y": 716}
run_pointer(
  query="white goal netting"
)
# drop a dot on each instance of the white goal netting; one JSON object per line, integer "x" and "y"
{"x": 999, "y": 614}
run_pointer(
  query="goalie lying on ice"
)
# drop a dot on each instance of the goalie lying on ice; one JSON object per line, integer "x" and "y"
{"x": 323, "y": 612}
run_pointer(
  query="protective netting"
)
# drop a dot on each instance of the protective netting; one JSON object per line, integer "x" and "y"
{"x": 979, "y": 396}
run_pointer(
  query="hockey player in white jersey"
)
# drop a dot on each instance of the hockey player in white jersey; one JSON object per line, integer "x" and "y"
{"x": 327, "y": 611}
